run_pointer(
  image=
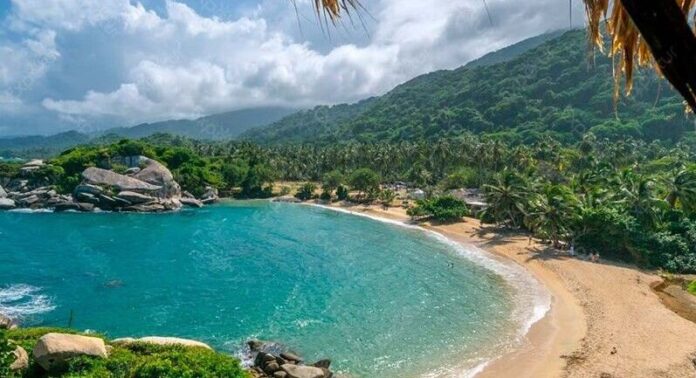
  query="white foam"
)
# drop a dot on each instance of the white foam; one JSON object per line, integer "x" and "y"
{"x": 532, "y": 299}
{"x": 19, "y": 301}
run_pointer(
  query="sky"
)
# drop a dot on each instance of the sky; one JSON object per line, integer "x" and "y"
{"x": 87, "y": 65}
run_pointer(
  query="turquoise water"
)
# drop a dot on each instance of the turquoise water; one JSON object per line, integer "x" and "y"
{"x": 379, "y": 300}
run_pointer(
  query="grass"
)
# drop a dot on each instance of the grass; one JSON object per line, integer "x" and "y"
{"x": 137, "y": 360}
{"x": 692, "y": 287}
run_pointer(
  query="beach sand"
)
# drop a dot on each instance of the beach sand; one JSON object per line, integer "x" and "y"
{"x": 605, "y": 320}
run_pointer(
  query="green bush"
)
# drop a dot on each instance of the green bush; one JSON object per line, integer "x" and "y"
{"x": 137, "y": 360}
{"x": 444, "y": 208}
{"x": 691, "y": 288}
{"x": 342, "y": 193}
{"x": 306, "y": 191}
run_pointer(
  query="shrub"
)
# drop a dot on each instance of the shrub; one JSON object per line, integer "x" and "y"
{"x": 444, "y": 208}
{"x": 692, "y": 287}
{"x": 342, "y": 193}
{"x": 306, "y": 191}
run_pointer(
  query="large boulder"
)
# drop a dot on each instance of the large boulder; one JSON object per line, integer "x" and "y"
{"x": 54, "y": 349}
{"x": 301, "y": 371}
{"x": 153, "y": 172}
{"x": 7, "y": 204}
{"x": 191, "y": 202}
{"x": 3, "y": 193}
{"x": 156, "y": 340}
{"x": 105, "y": 178}
{"x": 210, "y": 196}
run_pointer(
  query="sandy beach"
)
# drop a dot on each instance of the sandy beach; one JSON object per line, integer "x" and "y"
{"x": 604, "y": 321}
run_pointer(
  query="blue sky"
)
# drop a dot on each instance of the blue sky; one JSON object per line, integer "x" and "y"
{"x": 91, "y": 64}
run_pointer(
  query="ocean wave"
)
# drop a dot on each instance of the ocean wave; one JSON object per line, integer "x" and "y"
{"x": 30, "y": 211}
{"x": 532, "y": 299}
{"x": 19, "y": 301}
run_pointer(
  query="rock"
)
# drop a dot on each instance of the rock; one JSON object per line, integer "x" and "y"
{"x": 103, "y": 177}
{"x": 186, "y": 194}
{"x": 34, "y": 163}
{"x": 29, "y": 201}
{"x": 21, "y": 361}
{"x": 135, "y": 198}
{"x": 6, "y": 322}
{"x": 87, "y": 188}
{"x": 210, "y": 196}
{"x": 66, "y": 206}
{"x": 280, "y": 374}
{"x": 301, "y": 371}
{"x": 271, "y": 367}
{"x": 87, "y": 197}
{"x": 132, "y": 170}
{"x": 106, "y": 202}
{"x": 146, "y": 208}
{"x": 54, "y": 349}
{"x": 325, "y": 363}
{"x": 157, "y": 174}
{"x": 291, "y": 357}
{"x": 287, "y": 199}
{"x": 7, "y": 204}
{"x": 255, "y": 345}
{"x": 3, "y": 193}
{"x": 156, "y": 340}
{"x": 191, "y": 202}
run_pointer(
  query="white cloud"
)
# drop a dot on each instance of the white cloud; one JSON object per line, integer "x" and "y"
{"x": 180, "y": 64}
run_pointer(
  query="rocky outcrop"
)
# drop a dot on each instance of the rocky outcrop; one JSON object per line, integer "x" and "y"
{"x": 210, "y": 196}
{"x": 157, "y": 340}
{"x": 191, "y": 202}
{"x": 31, "y": 166}
{"x": 3, "y": 193}
{"x": 148, "y": 186}
{"x": 54, "y": 349}
{"x": 273, "y": 360}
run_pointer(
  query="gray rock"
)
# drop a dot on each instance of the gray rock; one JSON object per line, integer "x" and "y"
{"x": 54, "y": 349}
{"x": 146, "y": 208}
{"x": 210, "y": 196}
{"x": 66, "y": 206}
{"x": 87, "y": 197}
{"x": 135, "y": 198}
{"x": 29, "y": 201}
{"x": 3, "y": 193}
{"x": 155, "y": 173}
{"x": 87, "y": 188}
{"x": 291, "y": 357}
{"x": 301, "y": 371}
{"x": 7, "y": 204}
{"x": 255, "y": 345}
{"x": 186, "y": 194}
{"x": 191, "y": 202}
{"x": 106, "y": 202}
{"x": 271, "y": 367}
{"x": 280, "y": 374}
{"x": 132, "y": 170}
{"x": 325, "y": 363}
{"x": 85, "y": 207}
{"x": 102, "y": 177}
{"x": 21, "y": 361}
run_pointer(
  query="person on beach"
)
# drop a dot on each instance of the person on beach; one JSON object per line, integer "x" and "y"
{"x": 572, "y": 250}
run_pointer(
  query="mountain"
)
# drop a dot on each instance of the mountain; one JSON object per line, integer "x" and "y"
{"x": 552, "y": 89}
{"x": 215, "y": 127}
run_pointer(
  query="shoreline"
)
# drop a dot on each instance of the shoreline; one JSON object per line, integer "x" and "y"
{"x": 539, "y": 326}
{"x": 604, "y": 319}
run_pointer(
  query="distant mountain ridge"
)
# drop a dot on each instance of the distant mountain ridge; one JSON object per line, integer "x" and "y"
{"x": 541, "y": 87}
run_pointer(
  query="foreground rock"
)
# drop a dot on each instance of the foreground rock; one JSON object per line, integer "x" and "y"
{"x": 274, "y": 360}
{"x": 7, "y": 204}
{"x": 3, "y": 193}
{"x": 21, "y": 359}
{"x": 6, "y": 322}
{"x": 168, "y": 341}
{"x": 54, "y": 349}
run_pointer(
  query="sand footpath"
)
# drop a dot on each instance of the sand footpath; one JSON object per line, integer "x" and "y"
{"x": 605, "y": 321}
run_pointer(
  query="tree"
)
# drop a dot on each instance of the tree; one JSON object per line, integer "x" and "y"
{"x": 331, "y": 181}
{"x": 306, "y": 191}
{"x": 387, "y": 197}
{"x": 552, "y": 213}
{"x": 507, "y": 198}
{"x": 681, "y": 189}
{"x": 365, "y": 181}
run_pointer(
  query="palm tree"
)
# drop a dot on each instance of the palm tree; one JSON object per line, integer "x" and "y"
{"x": 552, "y": 213}
{"x": 681, "y": 189}
{"x": 635, "y": 193}
{"x": 508, "y": 198}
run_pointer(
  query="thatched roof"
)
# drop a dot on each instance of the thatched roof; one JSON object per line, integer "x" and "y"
{"x": 642, "y": 32}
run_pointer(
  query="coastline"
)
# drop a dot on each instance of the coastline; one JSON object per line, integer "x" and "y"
{"x": 604, "y": 318}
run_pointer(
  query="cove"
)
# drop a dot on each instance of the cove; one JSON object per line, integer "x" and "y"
{"x": 378, "y": 299}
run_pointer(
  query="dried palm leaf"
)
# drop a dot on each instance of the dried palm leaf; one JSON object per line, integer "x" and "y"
{"x": 648, "y": 33}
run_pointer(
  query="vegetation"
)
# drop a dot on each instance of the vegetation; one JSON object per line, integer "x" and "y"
{"x": 444, "y": 209}
{"x": 546, "y": 92}
{"x": 306, "y": 191}
{"x": 366, "y": 182}
{"x": 692, "y": 287}
{"x": 135, "y": 360}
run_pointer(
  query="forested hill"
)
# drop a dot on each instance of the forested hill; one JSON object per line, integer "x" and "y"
{"x": 553, "y": 89}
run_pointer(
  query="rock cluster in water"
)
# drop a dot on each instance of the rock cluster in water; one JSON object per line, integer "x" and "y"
{"x": 146, "y": 186}
{"x": 270, "y": 360}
